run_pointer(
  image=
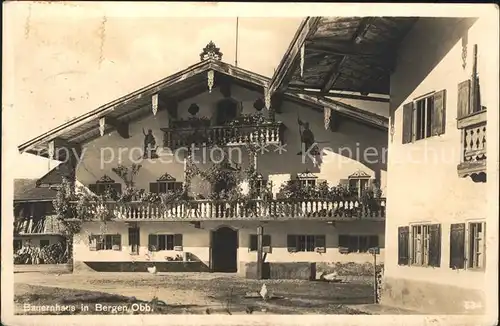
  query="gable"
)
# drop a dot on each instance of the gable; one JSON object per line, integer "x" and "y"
{"x": 165, "y": 94}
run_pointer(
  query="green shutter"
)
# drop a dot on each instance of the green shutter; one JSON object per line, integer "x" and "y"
{"x": 116, "y": 242}
{"x": 435, "y": 245}
{"x": 407, "y": 123}
{"x": 439, "y": 115}
{"x": 291, "y": 243}
{"x": 93, "y": 187}
{"x": 153, "y": 187}
{"x": 252, "y": 242}
{"x": 153, "y": 242}
{"x": 457, "y": 246}
{"x": 177, "y": 240}
{"x": 463, "y": 103}
{"x": 403, "y": 245}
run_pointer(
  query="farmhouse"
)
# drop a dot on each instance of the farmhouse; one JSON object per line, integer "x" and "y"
{"x": 204, "y": 169}
{"x": 441, "y": 145}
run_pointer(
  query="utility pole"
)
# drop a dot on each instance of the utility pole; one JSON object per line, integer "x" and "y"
{"x": 260, "y": 231}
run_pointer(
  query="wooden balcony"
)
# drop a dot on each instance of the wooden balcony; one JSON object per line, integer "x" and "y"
{"x": 473, "y": 161}
{"x": 270, "y": 133}
{"x": 206, "y": 210}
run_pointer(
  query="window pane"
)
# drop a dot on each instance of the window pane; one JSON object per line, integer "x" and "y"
{"x": 310, "y": 243}
{"x": 44, "y": 243}
{"x": 363, "y": 244}
{"x": 108, "y": 242}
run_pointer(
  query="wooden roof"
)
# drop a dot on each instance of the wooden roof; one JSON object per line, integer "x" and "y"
{"x": 348, "y": 54}
{"x": 177, "y": 87}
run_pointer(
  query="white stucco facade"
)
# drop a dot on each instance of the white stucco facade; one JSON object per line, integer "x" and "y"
{"x": 423, "y": 186}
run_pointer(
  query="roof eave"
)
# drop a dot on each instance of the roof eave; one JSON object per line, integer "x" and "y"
{"x": 288, "y": 63}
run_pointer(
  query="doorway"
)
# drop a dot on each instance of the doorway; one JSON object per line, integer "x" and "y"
{"x": 224, "y": 250}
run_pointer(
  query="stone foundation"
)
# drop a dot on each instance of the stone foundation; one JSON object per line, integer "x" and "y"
{"x": 431, "y": 298}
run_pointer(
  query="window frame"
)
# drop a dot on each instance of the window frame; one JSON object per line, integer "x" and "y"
{"x": 168, "y": 238}
{"x": 424, "y": 254}
{"x": 469, "y": 260}
{"x": 266, "y": 242}
{"x": 105, "y": 239}
{"x": 424, "y": 122}
{"x": 307, "y": 239}
{"x": 358, "y": 249}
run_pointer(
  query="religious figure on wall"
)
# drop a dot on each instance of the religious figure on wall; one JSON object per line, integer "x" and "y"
{"x": 307, "y": 140}
{"x": 149, "y": 144}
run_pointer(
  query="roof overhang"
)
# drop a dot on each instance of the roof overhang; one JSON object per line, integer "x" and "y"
{"x": 177, "y": 87}
{"x": 332, "y": 55}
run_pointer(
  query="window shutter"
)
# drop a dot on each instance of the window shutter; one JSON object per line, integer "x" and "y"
{"x": 291, "y": 243}
{"x": 266, "y": 243}
{"x": 373, "y": 241}
{"x": 320, "y": 244}
{"x": 344, "y": 183}
{"x": 407, "y": 123}
{"x": 178, "y": 185}
{"x": 435, "y": 245}
{"x": 153, "y": 242}
{"x": 117, "y": 187}
{"x": 117, "y": 242}
{"x": 463, "y": 104}
{"x": 253, "y": 242}
{"x": 344, "y": 241}
{"x": 177, "y": 240}
{"x": 457, "y": 246}
{"x": 403, "y": 245}
{"x": 93, "y": 188}
{"x": 153, "y": 187}
{"x": 92, "y": 243}
{"x": 439, "y": 115}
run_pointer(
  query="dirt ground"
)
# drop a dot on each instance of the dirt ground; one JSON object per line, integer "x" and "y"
{"x": 192, "y": 292}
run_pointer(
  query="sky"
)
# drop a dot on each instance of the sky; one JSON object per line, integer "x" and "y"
{"x": 69, "y": 60}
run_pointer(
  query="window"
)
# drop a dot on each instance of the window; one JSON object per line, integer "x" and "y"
{"x": 105, "y": 242}
{"x": 424, "y": 117}
{"x": 358, "y": 243}
{"x": 426, "y": 245}
{"x": 306, "y": 243}
{"x": 307, "y": 179}
{"x": 104, "y": 185}
{"x": 44, "y": 243}
{"x": 476, "y": 247}
{"x": 164, "y": 184}
{"x": 159, "y": 242}
{"x": 266, "y": 242}
{"x": 18, "y": 244}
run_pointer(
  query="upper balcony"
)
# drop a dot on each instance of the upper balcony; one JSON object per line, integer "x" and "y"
{"x": 185, "y": 134}
{"x": 473, "y": 147}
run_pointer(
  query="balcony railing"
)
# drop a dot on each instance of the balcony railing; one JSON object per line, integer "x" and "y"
{"x": 204, "y": 210}
{"x": 223, "y": 135}
{"x": 473, "y": 144}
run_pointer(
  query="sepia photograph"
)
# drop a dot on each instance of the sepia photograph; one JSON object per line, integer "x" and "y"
{"x": 220, "y": 160}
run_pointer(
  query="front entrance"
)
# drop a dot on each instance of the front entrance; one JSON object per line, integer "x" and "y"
{"x": 224, "y": 250}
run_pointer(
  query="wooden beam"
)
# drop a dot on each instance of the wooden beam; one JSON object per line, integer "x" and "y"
{"x": 288, "y": 64}
{"x": 338, "y": 95}
{"x": 363, "y": 27}
{"x": 62, "y": 147}
{"x": 346, "y": 48}
{"x": 121, "y": 127}
{"x": 333, "y": 75}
